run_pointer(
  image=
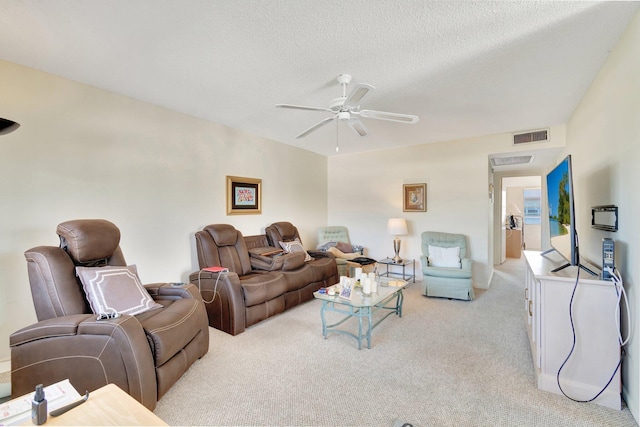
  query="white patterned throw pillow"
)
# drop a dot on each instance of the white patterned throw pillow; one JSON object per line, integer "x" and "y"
{"x": 115, "y": 289}
{"x": 295, "y": 246}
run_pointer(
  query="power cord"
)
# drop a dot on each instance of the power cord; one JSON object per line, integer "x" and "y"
{"x": 215, "y": 286}
{"x": 616, "y": 278}
{"x": 617, "y": 283}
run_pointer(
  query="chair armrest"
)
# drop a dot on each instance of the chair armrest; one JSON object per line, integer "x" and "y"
{"x": 168, "y": 291}
{"x": 95, "y": 353}
{"x": 466, "y": 263}
{"x": 424, "y": 261}
{"x": 223, "y": 300}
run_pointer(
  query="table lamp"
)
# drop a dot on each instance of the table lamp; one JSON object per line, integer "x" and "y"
{"x": 397, "y": 227}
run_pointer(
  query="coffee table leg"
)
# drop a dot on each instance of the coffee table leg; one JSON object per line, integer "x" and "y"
{"x": 399, "y": 301}
{"x": 369, "y": 328}
{"x": 360, "y": 331}
{"x": 324, "y": 320}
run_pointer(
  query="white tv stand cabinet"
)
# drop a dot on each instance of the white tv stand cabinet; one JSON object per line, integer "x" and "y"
{"x": 596, "y": 353}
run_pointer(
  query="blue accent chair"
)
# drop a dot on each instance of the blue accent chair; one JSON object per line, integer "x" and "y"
{"x": 339, "y": 233}
{"x": 446, "y": 282}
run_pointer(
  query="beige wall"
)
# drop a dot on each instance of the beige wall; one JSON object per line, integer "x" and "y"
{"x": 159, "y": 175}
{"x": 603, "y": 138}
{"x": 366, "y": 190}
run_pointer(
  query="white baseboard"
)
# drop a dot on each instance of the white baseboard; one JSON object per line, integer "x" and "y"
{"x": 609, "y": 398}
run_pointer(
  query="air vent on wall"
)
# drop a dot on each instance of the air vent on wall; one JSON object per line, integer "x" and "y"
{"x": 512, "y": 160}
{"x": 533, "y": 136}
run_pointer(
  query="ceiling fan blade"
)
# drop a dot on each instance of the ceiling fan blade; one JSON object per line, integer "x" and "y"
{"x": 392, "y": 117}
{"x": 358, "y": 127}
{"x": 357, "y": 93}
{"x": 316, "y": 126}
{"x": 301, "y": 107}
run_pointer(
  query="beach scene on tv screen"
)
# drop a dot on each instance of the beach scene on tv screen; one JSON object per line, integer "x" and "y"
{"x": 559, "y": 208}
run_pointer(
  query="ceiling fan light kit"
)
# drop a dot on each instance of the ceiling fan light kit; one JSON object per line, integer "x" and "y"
{"x": 347, "y": 108}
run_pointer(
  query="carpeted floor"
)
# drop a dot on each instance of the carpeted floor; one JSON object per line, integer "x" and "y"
{"x": 444, "y": 363}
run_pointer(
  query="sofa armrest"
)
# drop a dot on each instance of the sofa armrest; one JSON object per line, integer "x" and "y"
{"x": 282, "y": 261}
{"x": 320, "y": 254}
{"x": 223, "y": 298}
{"x": 90, "y": 353}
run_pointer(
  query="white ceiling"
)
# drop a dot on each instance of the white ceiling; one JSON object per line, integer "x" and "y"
{"x": 465, "y": 68}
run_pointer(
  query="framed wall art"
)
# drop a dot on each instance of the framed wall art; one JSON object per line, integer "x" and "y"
{"x": 414, "y": 197}
{"x": 244, "y": 195}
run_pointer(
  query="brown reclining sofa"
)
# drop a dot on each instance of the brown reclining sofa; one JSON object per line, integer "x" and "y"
{"x": 259, "y": 284}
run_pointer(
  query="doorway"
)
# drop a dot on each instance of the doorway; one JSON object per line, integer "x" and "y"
{"x": 521, "y": 207}
{"x": 509, "y": 200}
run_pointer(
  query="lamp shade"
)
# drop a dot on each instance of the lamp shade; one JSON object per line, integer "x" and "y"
{"x": 397, "y": 226}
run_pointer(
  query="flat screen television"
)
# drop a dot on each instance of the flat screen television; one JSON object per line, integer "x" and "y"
{"x": 562, "y": 219}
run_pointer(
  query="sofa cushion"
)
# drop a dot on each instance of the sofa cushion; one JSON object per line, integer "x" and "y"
{"x": 444, "y": 257}
{"x": 295, "y": 246}
{"x": 115, "y": 289}
{"x": 262, "y": 287}
{"x": 447, "y": 272}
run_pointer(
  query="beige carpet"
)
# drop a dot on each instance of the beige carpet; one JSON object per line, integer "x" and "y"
{"x": 444, "y": 363}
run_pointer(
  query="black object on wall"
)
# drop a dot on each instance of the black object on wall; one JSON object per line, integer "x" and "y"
{"x": 604, "y": 217}
{"x": 7, "y": 126}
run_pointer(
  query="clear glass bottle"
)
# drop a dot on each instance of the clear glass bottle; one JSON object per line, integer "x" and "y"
{"x": 39, "y": 406}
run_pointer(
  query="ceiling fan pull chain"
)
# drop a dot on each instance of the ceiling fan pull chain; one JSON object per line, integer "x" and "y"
{"x": 337, "y": 138}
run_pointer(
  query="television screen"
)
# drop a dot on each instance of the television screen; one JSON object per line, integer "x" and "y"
{"x": 562, "y": 231}
{"x": 562, "y": 218}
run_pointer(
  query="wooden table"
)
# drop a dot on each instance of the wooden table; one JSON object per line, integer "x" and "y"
{"x": 107, "y": 406}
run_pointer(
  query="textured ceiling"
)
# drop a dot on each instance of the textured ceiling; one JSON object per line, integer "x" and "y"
{"x": 465, "y": 68}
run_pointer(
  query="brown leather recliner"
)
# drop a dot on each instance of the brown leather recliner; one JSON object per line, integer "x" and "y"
{"x": 144, "y": 354}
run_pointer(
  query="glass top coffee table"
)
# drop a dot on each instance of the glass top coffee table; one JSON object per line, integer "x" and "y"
{"x": 388, "y": 298}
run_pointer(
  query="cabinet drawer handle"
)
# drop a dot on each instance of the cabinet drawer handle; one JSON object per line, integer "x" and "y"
{"x": 530, "y": 313}
{"x": 526, "y": 293}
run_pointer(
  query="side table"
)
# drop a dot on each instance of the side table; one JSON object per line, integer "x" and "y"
{"x": 106, "y": 406}
{"x": 388, "y": 262}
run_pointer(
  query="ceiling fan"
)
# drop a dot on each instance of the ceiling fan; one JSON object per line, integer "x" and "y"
{"x": 347, "y": 108}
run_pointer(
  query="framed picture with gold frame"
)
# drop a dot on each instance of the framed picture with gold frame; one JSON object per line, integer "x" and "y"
{"x": 244, "y": 195}
{"x": 414, "y": 197}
